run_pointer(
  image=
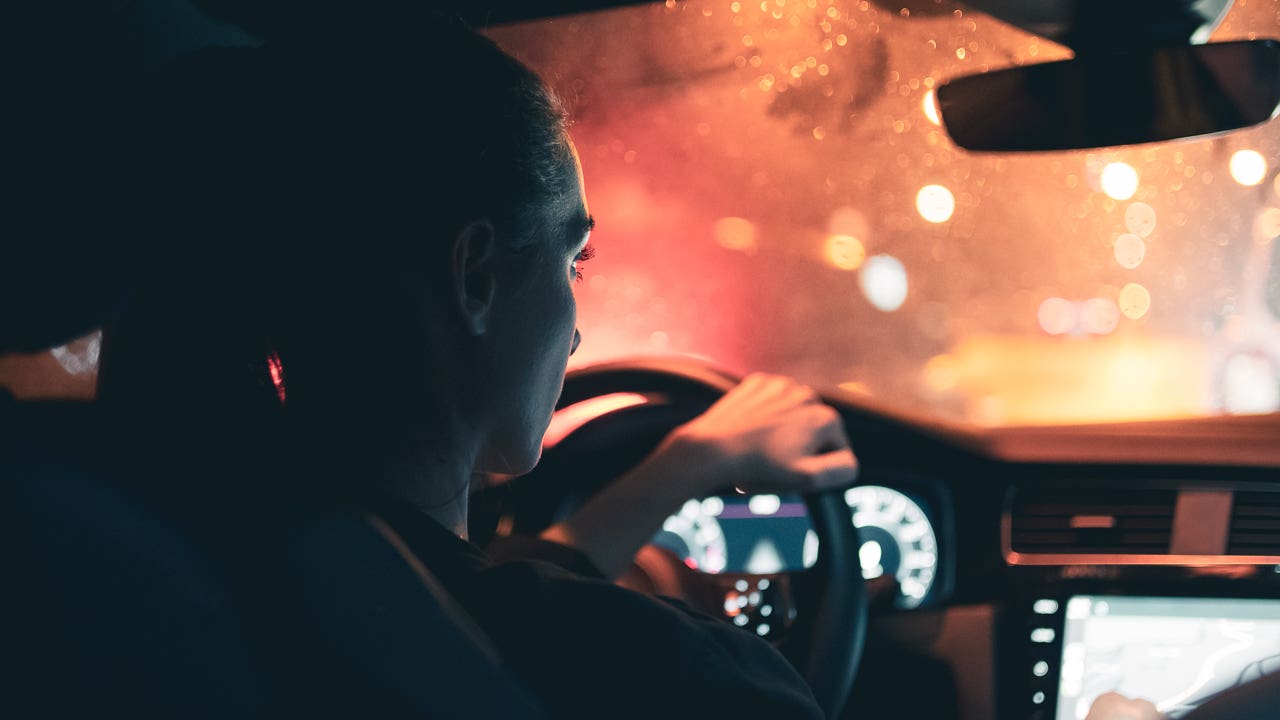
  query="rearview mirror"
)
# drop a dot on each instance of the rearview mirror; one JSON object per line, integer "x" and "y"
{"x": 1102, "y": 99}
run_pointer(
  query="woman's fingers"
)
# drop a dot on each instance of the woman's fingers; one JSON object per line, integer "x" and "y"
{"x": 772, "y": 434}
{"x": 829, "y": 470}
{"x": 1114, "y": 706}
{"x": 828, "y": 430}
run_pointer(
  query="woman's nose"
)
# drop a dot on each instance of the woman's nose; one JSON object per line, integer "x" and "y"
{"x": 577, "y": 338}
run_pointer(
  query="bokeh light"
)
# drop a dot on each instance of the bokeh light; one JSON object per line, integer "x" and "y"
{"x": 1130, "y": 250}
{"x": 883, "y": 279}
{"x": 1140, "y": 219}
{"x": 735, "y": 233}
{"x": 1248, "y": 167}
{"x": 1250, "y": 384}
{"x": 940, "y": 374}
{"x": 1119, "y": 180}
{"x": 930, "y": 107}
{"x": 1135, "y": 301}
{"x": 935, "y": 203}
{"x": 764, "y": 504}
{"x": 857, "y": 387}
{"x": 1268, "y": 224}
{"x": 844, "y": 252}
{"x": 712, "y": 506}
{"x": 1057, "y": 316}
{"x": 1099, "y": 316}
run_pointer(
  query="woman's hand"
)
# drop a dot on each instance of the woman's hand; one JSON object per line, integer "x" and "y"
{"x": 769, "y": 434}
{"x": 1114, "y": 706}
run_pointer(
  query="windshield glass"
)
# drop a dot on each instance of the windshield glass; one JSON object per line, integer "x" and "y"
{"x": 775, "y": 192}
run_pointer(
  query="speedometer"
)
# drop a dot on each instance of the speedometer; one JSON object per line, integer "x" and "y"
{"x": 897, "y": 540}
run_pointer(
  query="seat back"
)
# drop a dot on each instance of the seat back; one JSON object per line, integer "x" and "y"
{"x": 115, "y": 613}
{"x": 118, "y": 610}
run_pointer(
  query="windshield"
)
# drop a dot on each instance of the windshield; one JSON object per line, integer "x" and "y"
{"x": 775, "y": 192}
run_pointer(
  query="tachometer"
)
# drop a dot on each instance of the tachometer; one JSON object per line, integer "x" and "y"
{"x": 695, "y": 535}
{"x": 897, "y": 540}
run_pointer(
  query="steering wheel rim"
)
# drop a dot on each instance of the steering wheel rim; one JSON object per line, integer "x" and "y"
{"x": 836, "y": 628}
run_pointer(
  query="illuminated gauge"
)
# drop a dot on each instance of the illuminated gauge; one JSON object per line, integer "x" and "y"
{"x": 897, "y": 540}
{"x": 694, "y": 534}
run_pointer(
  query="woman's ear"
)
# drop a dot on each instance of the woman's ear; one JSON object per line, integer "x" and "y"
{"x": 474, "y": 275}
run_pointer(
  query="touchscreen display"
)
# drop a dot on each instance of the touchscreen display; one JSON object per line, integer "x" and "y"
{"x": 1175, "y": 652}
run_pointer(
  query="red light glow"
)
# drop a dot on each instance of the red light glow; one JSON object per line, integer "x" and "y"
{"x": 276, "y": 368}
{"x": 568, "y": 419}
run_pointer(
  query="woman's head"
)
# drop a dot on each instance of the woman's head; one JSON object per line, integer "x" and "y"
{"x": 390, "y": 213}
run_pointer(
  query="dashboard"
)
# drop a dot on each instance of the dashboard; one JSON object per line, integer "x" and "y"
{"x": 1025, "y": 588}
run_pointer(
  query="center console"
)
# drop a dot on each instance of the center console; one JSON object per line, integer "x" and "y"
{"x": 1173, "y": 636}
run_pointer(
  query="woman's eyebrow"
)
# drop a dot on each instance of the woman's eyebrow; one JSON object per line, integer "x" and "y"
{"x": 581, "y": 226}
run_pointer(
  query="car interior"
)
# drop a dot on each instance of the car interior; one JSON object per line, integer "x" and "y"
{"x": 1027, "y": 250}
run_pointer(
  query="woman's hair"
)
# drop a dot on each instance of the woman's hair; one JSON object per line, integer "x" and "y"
{"x": 294, "y": 193}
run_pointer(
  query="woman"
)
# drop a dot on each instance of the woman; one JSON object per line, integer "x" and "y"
{"x": 391, "y": 217}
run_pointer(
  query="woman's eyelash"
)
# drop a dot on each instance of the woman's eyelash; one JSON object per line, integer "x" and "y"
{"x": 587, "y": 253}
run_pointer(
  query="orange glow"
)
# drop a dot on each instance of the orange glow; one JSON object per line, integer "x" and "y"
{"x": 858, "y": 388}
{"x": 1037, "y": 381}
{"x": 566, "y": 420}
{"x": 935, "y": 203}
{"x": 844, "y": 252}
{"x": 940, "y": 374}
{"x": 735, "y": 233}
{"x": 1248, "y": 167}
{"x": 848, "y": 221}
{"x": 1119, "y": 180}
{"x": 1135, "y": 301}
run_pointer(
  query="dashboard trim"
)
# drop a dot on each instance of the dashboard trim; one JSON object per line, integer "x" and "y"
{"x": 1202, "y": 518}
{"x": 1013, "y": 557}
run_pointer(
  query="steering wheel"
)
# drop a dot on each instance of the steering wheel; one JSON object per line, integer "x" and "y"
{"x": 820, "y": 614}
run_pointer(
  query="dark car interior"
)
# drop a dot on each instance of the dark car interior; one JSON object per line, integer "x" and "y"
{"x": 986, "y": 564}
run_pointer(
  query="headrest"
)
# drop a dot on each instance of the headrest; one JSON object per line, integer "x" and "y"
{"x": 70, "y": 255}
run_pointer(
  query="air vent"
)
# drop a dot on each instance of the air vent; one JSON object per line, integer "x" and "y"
{"x": 1255, "y": 524}
{"x": 1091, "y": 521}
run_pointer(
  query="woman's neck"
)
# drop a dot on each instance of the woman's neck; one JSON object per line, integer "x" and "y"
{"x": 437, "y": 483}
